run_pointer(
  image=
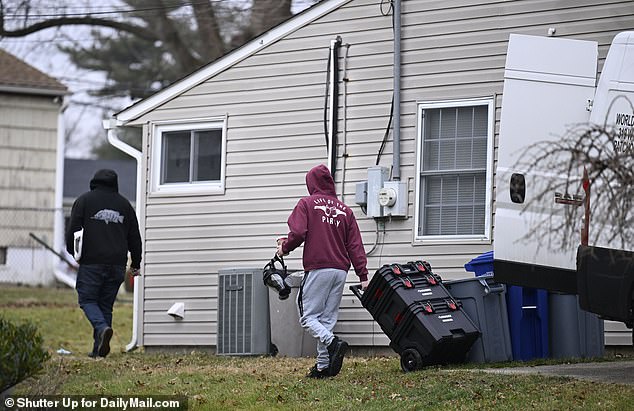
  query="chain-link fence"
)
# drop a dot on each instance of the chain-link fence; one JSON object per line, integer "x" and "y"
{"x": 25, "y": 234}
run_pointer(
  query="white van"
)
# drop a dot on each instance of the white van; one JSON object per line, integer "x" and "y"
{"x": 552, "y": 100}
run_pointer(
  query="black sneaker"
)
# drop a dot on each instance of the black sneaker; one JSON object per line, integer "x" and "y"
{"x": 315, "y": 373}
{"x": 104, "y": 342}
{"x": 337, "y": 349}
{"x": 92, "y": 354}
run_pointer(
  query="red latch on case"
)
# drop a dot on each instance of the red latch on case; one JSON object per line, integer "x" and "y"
{"x": 428, "y": 308}
{"x": 407, "y": 282}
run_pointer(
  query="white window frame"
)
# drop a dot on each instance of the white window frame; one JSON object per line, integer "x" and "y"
{"x": 189, "y": 188}
{"x": 485, "y": 237}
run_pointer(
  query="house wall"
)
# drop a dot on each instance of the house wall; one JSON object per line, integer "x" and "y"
{"x": 28, "y": 145}
{"x": 274, "y": 101}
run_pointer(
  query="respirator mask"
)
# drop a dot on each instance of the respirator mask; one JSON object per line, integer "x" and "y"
{"x": 275, "y": 277}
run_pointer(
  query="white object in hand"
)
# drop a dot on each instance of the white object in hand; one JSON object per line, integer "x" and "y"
{"x": 77, "y": 244}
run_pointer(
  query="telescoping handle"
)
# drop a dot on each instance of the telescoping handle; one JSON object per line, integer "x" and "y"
{"x": 356, "y": 290}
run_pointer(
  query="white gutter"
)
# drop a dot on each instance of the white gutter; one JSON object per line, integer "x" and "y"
{"x": 110, "y": 126}
{"x": 58, "y": 219}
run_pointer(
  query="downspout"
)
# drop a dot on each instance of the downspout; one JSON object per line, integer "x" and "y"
{"x": 110, "y": 126}
{"x": 58, "y": 222}
{"x": 396, "y": 130}
{"x": 334, "y": 104}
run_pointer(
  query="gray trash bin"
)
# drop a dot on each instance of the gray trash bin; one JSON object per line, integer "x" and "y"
{"x": 290, "y": 339}
{"x": 574, "y": 333}
{"x": 484, "y": 301}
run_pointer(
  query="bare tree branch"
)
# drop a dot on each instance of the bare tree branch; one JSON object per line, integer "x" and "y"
{"x": 174, "y": 42}
{"x": 611, "y": 173}
{"x": 69, "y": 21}
{"x": 209, "y": 31}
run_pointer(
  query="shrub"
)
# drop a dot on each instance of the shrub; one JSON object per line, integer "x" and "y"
{"x": 21, "y": 352}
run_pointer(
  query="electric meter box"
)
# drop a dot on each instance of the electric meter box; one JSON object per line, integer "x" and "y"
{"x": 397, "y": 199}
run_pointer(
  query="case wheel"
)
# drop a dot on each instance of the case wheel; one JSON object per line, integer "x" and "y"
{"x": 411, "y": 360}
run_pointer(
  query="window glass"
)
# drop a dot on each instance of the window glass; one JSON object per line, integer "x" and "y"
{"x": 176, "y": 155}
{"x": 207, "y": 146}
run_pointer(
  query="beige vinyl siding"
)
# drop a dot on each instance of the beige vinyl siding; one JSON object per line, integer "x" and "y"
{"x": 274, "y": 102}
{"x": 28, "y": 144}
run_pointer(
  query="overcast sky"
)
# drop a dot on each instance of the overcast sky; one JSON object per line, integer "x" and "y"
{"x": 82, "y": 118}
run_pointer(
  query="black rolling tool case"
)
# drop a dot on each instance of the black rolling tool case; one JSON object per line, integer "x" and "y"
{"x": 424, "y": 323}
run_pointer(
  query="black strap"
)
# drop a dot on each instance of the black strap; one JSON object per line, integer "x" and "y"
{"x": 280, "y": 259}
{"x": 300, "y": 295}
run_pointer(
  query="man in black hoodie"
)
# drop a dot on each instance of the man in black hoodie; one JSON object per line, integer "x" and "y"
{"x": 111, "y": 230}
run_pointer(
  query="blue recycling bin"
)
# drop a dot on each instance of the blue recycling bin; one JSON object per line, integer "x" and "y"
{"x": 527, "y": 313}
{"x": 481, "y": 265}
{"x": 528, "y": 322}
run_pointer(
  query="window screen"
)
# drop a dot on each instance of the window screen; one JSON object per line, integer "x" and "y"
{"x": 453, "y": 171}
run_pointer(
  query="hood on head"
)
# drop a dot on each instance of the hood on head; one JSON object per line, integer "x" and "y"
{"x": 319, "y": 181}
{"x": 105, "y": 179}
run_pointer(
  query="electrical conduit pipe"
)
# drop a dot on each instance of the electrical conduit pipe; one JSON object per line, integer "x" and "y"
{"x": 396, "y": 129}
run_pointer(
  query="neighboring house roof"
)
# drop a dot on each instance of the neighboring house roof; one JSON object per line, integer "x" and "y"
{"x": 264, "y": 40}
{"x": 78, "y": 173}
{"x": 16, "y": 76}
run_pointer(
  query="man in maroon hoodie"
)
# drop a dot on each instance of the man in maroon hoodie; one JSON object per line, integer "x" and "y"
{"x": 332, "y": 241}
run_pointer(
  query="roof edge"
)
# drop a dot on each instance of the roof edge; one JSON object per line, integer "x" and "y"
{"x": 33, "y": 91}
{"x": 299, "y": 20}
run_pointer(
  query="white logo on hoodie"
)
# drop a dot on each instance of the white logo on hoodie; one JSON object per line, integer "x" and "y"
{"x": 108, "y": 216}
{"x": 331, "y": 211}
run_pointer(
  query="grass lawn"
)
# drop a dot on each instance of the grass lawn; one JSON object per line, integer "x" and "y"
{"x": 261, "y": 383}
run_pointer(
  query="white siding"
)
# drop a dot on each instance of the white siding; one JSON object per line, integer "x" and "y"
{"x": 28, "y": 142}
{"x": 28, "y": 146}
{"x": 274, "y": 101}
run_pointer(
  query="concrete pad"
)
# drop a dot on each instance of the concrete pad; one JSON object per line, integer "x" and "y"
{"x": 617, "y": 372}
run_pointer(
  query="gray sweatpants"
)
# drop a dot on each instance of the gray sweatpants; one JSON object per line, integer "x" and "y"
{"x": 319, "y": 307}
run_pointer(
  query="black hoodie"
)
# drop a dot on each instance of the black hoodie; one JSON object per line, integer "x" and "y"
{"x": 110, "y": 225}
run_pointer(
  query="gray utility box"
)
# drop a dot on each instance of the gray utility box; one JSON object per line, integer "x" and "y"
{"x": 484, "y": 301}
{"x": 573, "y": 333}
{"x": 288, "y": 337}
{"x": 243, "y": 314}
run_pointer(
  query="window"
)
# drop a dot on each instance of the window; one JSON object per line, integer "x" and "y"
{"x": 454, "y": 170}
{"x": 189, "y": 158}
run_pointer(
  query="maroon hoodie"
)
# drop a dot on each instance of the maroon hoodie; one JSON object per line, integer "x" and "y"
{"x": 327, "y": 227}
